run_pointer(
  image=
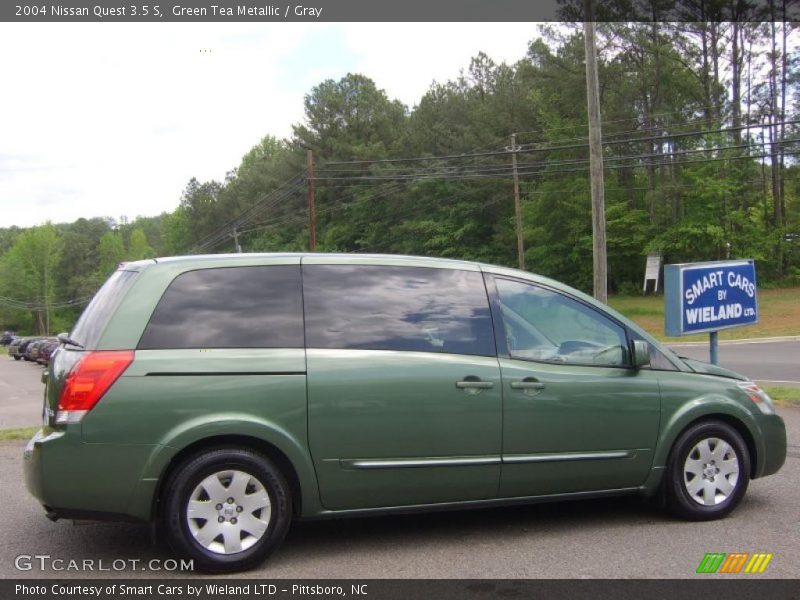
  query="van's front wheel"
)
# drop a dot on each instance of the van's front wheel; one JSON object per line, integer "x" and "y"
{"x": 227, "y": 509}
{"x": 708, "y": 471}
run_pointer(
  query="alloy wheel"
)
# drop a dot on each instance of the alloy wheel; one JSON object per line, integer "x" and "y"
{"x": 228, "y": 511}
{"x": 711, "y": 471}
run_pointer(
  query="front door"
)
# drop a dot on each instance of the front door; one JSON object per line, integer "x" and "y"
{"x": 404, "y": 388}
{"x": 577, "y": 416}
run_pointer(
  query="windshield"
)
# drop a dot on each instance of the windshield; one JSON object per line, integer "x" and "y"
{"x": 95, "y": 316}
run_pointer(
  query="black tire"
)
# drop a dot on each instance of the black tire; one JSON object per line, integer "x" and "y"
{"x": 184, "y": 481}
{"x": 17, "y": 357}
{"x": 687, "y": 492}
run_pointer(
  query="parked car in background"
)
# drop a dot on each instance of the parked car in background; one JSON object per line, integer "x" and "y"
{"x": 7, "y": 338}
{"x": 32, "y": 352}
{"x": 38, "y": 346}
{"x": 13, "y": 348}
{"x": 222, "y": 396}
{"x": 25, "y": 347}
{"x": 46, "y": 350}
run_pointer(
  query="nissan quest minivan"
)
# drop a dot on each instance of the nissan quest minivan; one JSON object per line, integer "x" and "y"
{"x": 222, "y": 396}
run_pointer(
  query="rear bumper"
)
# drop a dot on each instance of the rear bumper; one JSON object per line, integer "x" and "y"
{"x": 32, "y": 464}
{"x": 75, "y": 480}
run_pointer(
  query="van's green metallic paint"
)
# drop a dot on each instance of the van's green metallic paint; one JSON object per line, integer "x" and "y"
{"x": 370, "y": 405}
{"x": 258, "y": 393}
{"x": 580, "y": 410}
{"x": 366, "y": 431}
{"x": 688, "y": 398}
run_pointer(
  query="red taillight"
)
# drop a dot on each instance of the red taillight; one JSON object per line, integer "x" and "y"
{"x": 89, "y": 379}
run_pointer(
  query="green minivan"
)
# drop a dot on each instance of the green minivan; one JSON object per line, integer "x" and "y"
{"x": 222, "y": 396}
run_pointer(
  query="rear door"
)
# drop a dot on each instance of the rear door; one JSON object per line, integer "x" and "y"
{"x": 404, "y": 393}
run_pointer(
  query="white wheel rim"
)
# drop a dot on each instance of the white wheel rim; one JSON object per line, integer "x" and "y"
{"x": 228, "y": 512}
{"x": 711, "y": 471}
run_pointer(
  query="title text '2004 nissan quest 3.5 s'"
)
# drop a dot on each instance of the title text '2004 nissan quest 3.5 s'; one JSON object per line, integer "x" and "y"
{"x": 221, "y": 396}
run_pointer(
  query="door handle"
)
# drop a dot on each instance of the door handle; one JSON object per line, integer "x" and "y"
{"x": 473, "y": 385}
{"x": 529, "y": 386}
{"x": 478, "y": 385}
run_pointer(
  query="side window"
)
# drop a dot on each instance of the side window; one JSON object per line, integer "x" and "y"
{"x": 547, "y": 326}
{"x": 96, "y": 316}
{"x": 397, "y": 308}
{"x": 231, "y": 307}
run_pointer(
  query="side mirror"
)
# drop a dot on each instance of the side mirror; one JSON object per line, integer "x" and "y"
{"x": 641, "y": 353}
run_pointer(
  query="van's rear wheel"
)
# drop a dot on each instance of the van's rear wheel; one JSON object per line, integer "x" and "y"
{"x": 227, "y": 509}
{"x": 708, "y": 471}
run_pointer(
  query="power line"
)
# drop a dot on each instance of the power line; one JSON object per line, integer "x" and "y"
{"x": 544, "y": 168}
{"x": 667, "y": 137}
{"x": 614, "y": 159}
{"x": 616, "y": 189}
{"x": 637, "y": 118}
{"x": 666, "y": 129}
{"x": 533, "y": 147}
{"x": 401, "y": 215}
{"x": 479, "y": 170}
{"x": 55, "y": 304}
{"x": 267, "y": 201}
{"x": 390, "y": 188}
{"x": 223, "y": 233}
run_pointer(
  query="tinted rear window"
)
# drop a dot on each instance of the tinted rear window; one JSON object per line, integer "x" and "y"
{"x": 232, "y": 307}
{"x": 397, "y": 308}
{"x": 95, "y": 316}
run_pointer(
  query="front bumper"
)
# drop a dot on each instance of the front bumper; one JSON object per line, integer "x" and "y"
{"x": 773, "y": 430}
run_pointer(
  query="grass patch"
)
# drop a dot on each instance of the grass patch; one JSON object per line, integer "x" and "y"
{"x": 21, "y": 433}
{"x": 779, "y": 314}
{"x": 641, "y": 311}
{"x": 786, "y": 396}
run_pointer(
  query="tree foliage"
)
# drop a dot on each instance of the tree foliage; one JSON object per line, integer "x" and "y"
{"x": 700, "y": 164}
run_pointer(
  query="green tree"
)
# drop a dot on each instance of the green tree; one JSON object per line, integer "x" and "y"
{"x": 112, "y": 252}
{"x": 28, "y": 273}
{"x": 350, "y": 118}
{"x": 77, "y": 270}
{"x": 138, "y": 248}
{"x": 175, "y": 232}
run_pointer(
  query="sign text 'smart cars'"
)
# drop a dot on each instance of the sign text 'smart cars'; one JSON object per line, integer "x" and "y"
{"x": 710, "y": 296}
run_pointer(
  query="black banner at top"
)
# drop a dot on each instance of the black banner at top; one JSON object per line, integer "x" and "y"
{"x": 394, "y": 11}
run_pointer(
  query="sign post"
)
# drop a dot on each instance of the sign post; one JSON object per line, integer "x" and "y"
{"x": 708, "y": 297}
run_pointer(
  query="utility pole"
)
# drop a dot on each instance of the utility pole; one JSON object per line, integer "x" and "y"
{"x": 47, "y": 309}
{"x": 595, "y": 159}
{"x": 236, "y": 240}
{"x": 46, "y": 297}
{"x": 517, "y": 204}
{"x": 312, "y": 205}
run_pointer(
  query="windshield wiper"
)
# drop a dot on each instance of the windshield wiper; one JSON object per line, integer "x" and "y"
{"x": 66, "y": 340}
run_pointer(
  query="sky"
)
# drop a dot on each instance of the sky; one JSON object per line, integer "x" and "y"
{"x": 113, "y": 119}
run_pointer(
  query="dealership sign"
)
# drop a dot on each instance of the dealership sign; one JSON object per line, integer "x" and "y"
{"x": 709, "y": 296}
